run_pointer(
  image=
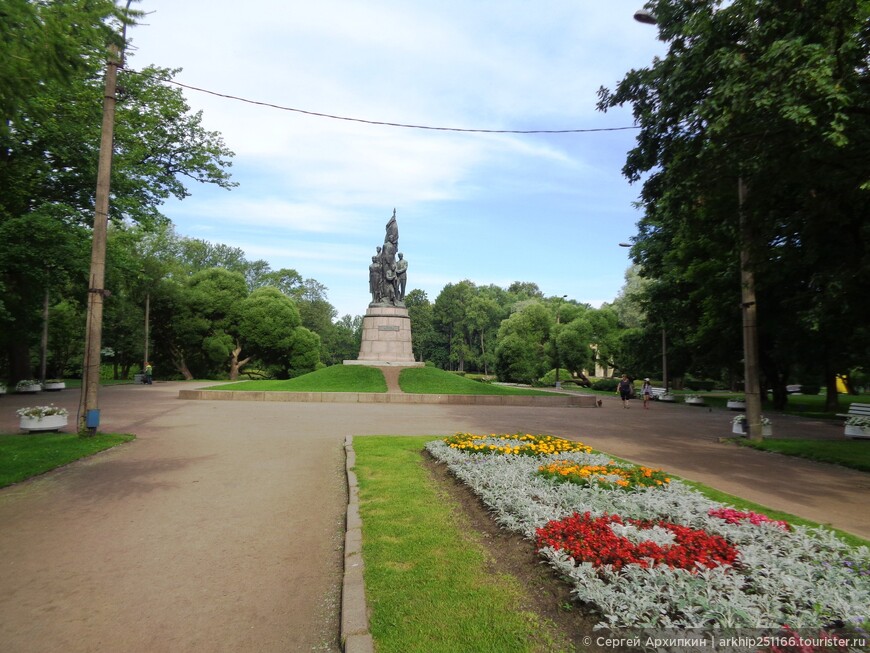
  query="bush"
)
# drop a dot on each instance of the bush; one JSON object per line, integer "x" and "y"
{"x": 550, "y": 377}
{"x": 810, "y": 389}
{"x": 695, "y": 384}
{"x": 608, "y": 385}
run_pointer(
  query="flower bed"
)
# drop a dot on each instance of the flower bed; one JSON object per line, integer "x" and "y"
{"x": 610, "y": 540}
{"x": 516, "y": 444}
{"x": 662, "y": 555}
{"x": 610, "y": 476}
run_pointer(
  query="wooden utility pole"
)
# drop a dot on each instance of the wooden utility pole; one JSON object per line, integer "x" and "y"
{"x": 752, "y": 386}
{"x": 89, "y": 410}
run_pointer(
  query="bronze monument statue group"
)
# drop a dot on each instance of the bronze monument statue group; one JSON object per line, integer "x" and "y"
{"x": 388, "y": 275}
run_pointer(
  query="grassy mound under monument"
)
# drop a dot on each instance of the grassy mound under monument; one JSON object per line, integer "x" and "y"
{"x": 336, "y": 378}
{"x": 363, "y": 378}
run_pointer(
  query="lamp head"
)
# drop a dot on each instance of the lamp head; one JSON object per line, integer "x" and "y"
{"x": 645, "y": 16}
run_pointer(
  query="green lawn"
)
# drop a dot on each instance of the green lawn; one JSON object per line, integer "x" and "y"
{"x": 23, "y": 456}
{"x": 337, "y": 378}
{"x": 849, "y": 453}
{"x": 431, "y": 380}
{"x": 428, "y": 584}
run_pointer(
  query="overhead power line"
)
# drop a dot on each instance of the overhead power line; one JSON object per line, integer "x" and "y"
{"x": 393, "y": 124}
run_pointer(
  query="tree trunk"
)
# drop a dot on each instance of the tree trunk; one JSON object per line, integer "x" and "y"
{"x": 832, "y": 399}
{"x": 180, "y": 364}
{"x": 19, "y": 361}
{"x": 235, "y": 364}
{"x": 483, "y": 355}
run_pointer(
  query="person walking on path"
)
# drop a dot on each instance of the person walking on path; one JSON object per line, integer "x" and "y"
{"x": 623, "y": 388}
{"x": 646, "y": 391}
{"x": 149, "y": 374}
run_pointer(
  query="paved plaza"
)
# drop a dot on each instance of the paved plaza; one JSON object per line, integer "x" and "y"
{"x": 221, "y": 527}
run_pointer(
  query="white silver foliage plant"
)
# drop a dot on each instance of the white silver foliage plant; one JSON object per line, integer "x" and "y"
{"x": 803, "y": 577}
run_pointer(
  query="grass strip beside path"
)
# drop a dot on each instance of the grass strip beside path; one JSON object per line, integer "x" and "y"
{"x": 848, "y": 453}
{"x": 428, "y": 584}
{"x": 431, "y": 380}
{"x": 23, "y": 456}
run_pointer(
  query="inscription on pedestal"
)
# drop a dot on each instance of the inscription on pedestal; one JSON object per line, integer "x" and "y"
{"x": 388, "y": 328}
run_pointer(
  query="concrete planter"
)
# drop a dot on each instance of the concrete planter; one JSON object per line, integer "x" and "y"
{"x": 736, "y": 405}
{"x": 46, "y": 423}
{"x": 694, "y": 401}
{"x": 740, "y": 429}
{"x": 31, "y": 389}
{"x": 54, "y": 387}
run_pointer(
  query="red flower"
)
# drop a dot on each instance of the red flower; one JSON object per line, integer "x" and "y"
{"x": 591, "y": 539}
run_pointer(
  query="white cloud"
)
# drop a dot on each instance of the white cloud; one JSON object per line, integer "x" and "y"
{"x": 315, "y": 192}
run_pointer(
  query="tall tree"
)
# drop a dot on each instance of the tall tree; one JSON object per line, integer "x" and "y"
{"x": 272, "y": 331}
{"x": 449, "y": 315}
{"x": 48, "y": 164}
{"x": 773, "y": 94}
{"x": 425, "y": 339}
{"x": 522, "y": 353}
{"x": 50, "y": 42}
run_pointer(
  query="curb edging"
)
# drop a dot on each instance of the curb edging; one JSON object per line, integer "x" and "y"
{"x": 355, "y": 635}
{"x": 554, "y": 401}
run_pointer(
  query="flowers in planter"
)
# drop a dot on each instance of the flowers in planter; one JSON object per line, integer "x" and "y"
{"x": 38, "y": 412}
{"x": 611, "y": 540}
{"x": 517, "y": 444}
{"x": 732, "y": 516}
{"x": 610, "y": 476}
{"x": 25, "y": 384}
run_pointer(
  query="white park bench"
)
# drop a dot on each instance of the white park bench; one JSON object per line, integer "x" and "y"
{"x": 857, "y": 410}
{"x": 658, "y": 393}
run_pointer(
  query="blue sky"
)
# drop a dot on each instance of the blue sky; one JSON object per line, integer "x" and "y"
{"x": 315, "y": 193}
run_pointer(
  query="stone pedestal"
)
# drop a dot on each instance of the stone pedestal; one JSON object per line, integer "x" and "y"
{"x": 386, "y": 338}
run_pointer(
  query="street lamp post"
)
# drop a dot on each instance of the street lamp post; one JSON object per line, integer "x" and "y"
{"x": 749, "y": 306}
